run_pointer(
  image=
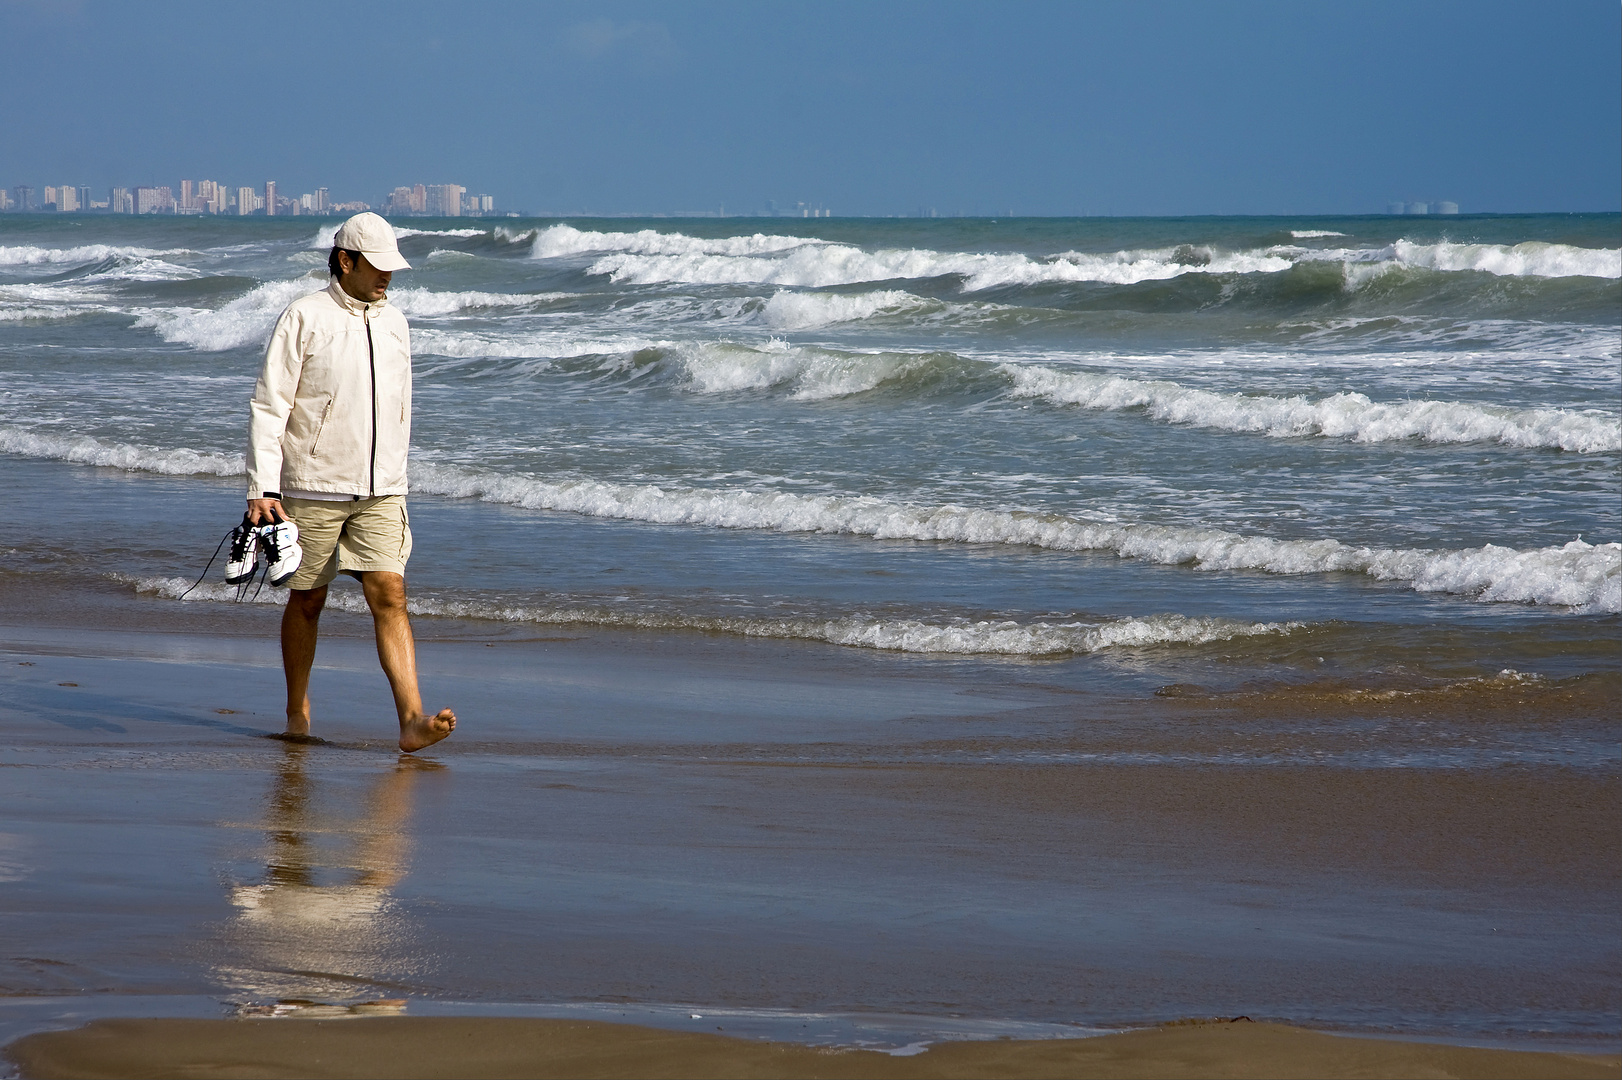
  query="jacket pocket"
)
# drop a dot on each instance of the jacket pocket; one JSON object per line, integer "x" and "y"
{"x": 326, "y": 414}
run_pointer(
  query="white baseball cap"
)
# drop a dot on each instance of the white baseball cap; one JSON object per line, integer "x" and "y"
{"x": 374, "y": 238}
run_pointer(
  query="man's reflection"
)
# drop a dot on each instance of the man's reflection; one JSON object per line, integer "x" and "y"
{"x": 321, "y": 924}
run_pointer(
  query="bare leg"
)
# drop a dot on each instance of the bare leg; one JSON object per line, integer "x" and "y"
{"x": 300, "y": 624}
{"x": 386, "y": 596}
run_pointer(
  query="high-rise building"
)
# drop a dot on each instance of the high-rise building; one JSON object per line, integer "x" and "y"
{"x": 67, "y": 200}
{"x": 23, "y": 196}
{"x": 245, "y": 200}
{"x": 208, "y": 197}
{"x": 85, "y": 202}
{"x": 270, "y": 198}
{"x": 445, "y": 200}
{"x": 481, "y": 204}
{"x": 154, "y": 200}
{"x": 188, "y": 195}
{"x": 120, "y": 201}
{"x": 419, "y": 199}
{"x": 49, "y": 197}
{"x": 319, "y": 202}
{"x": 5, "y": 199}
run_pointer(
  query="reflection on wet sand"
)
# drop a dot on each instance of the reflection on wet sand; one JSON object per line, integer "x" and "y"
{"x": 321, "y": 924}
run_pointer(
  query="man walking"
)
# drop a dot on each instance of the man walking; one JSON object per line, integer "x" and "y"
{"x": 329, "y": 426}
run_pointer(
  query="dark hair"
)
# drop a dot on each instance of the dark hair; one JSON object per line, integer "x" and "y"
{"x": 334, "y": 267}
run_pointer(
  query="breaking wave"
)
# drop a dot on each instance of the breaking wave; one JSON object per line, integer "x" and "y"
{"x": 248, "y": 319}
{"x": 87, "y": 450}
{"x": 1578, "y": 575}
{"x": 815, "y": 374}
{"x": 806, "y": 311}
{"x": 28, "y": 255}
{"x": 562, "y": 240}
{"x": 650, "y": 257}
{"x": 1344, "y": 415}
{"x": 327, "y": 233}
{"x": 952, "y": 637}
{"x": 1531, "y": 259}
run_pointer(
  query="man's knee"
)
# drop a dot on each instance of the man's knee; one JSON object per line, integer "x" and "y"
{"x": 307, "y": 602}
{"x": 385, "y": 591}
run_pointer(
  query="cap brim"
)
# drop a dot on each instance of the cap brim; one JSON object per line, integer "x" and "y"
{"x": 389, "y": 261}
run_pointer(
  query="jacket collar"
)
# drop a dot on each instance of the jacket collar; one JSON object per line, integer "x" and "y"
{"x": 350, "y": 304}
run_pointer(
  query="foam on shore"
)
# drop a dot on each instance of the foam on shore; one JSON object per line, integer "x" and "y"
{"x": 1577, "y": 575}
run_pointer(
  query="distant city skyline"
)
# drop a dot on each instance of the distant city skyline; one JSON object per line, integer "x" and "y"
{"x": 212, "y": 197}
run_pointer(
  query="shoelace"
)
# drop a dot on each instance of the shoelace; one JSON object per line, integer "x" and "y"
{"x": 242, "y": 540}
{"x": 250, "y": 535}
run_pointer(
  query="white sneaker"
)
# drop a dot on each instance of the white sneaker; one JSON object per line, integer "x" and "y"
{"x": 243, "y": 558}
{"x": 280, "y": 544}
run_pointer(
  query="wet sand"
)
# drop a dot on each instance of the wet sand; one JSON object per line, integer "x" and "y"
{"x": 790, "y": 832}
{"x": 556, "y": 1048}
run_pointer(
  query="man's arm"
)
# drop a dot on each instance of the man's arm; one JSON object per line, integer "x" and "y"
{"x": 268, "y": 411}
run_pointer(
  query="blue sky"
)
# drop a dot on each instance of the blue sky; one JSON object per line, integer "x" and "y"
{"x": 1151, "y": 107}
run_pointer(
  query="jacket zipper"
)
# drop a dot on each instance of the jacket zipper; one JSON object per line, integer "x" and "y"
{"x": 371, "y": 356}
{"x": 326, "y": 414}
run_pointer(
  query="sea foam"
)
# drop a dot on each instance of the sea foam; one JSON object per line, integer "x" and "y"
{"x": 1584, "y": 576}
{"x": 788, "y": 310}
{"x": 952, "y": 637}
{"x": 249, "y": 318}
{"x": 815, "y": 374}
{"x": 87, "y": 450}
{"x": 562, "y": 240}
{"x": 650, "y": 257}
{"x": 1578, "y": 575}
{"x": 1531, "y": 259}
{"x": 28, "y": 255}
{"x": 326, "y": 234}
{"x": 1344, "y": 415}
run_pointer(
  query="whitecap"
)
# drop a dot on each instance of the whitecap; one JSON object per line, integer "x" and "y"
{"x": 29, "y": 255}
{"x": 562, "y": 240}
{"x": 815, "y": 374}
{"x": 787, "y": 310}
{"x": 247, "y": 320}
{"x": 1584, "y": 576}
{"x": 326, "y": 234}
{"x": 1343, "y": 415}
{"x": 87, "y": 450}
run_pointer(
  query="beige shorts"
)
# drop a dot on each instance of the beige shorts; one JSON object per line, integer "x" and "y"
{"x": 354, "y": 537}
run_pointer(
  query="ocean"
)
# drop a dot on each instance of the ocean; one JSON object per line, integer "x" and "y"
{"x": 1257, "y": 495}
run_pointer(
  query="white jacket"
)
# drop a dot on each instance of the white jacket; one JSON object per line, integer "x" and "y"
{"x": 332, "y": 410}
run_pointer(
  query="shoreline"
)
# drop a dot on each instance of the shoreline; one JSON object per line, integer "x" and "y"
{"x": 508, "y": 1047}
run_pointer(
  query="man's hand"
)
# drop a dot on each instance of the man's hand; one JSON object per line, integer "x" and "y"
{"x": 265, "y": 511}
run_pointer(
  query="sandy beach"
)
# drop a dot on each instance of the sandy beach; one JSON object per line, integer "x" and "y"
{"x": 540, "y": 1048}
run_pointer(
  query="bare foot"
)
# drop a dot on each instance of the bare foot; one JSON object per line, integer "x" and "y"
{"x": 298, "y": 723}
{"x": 426, "y": 730}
